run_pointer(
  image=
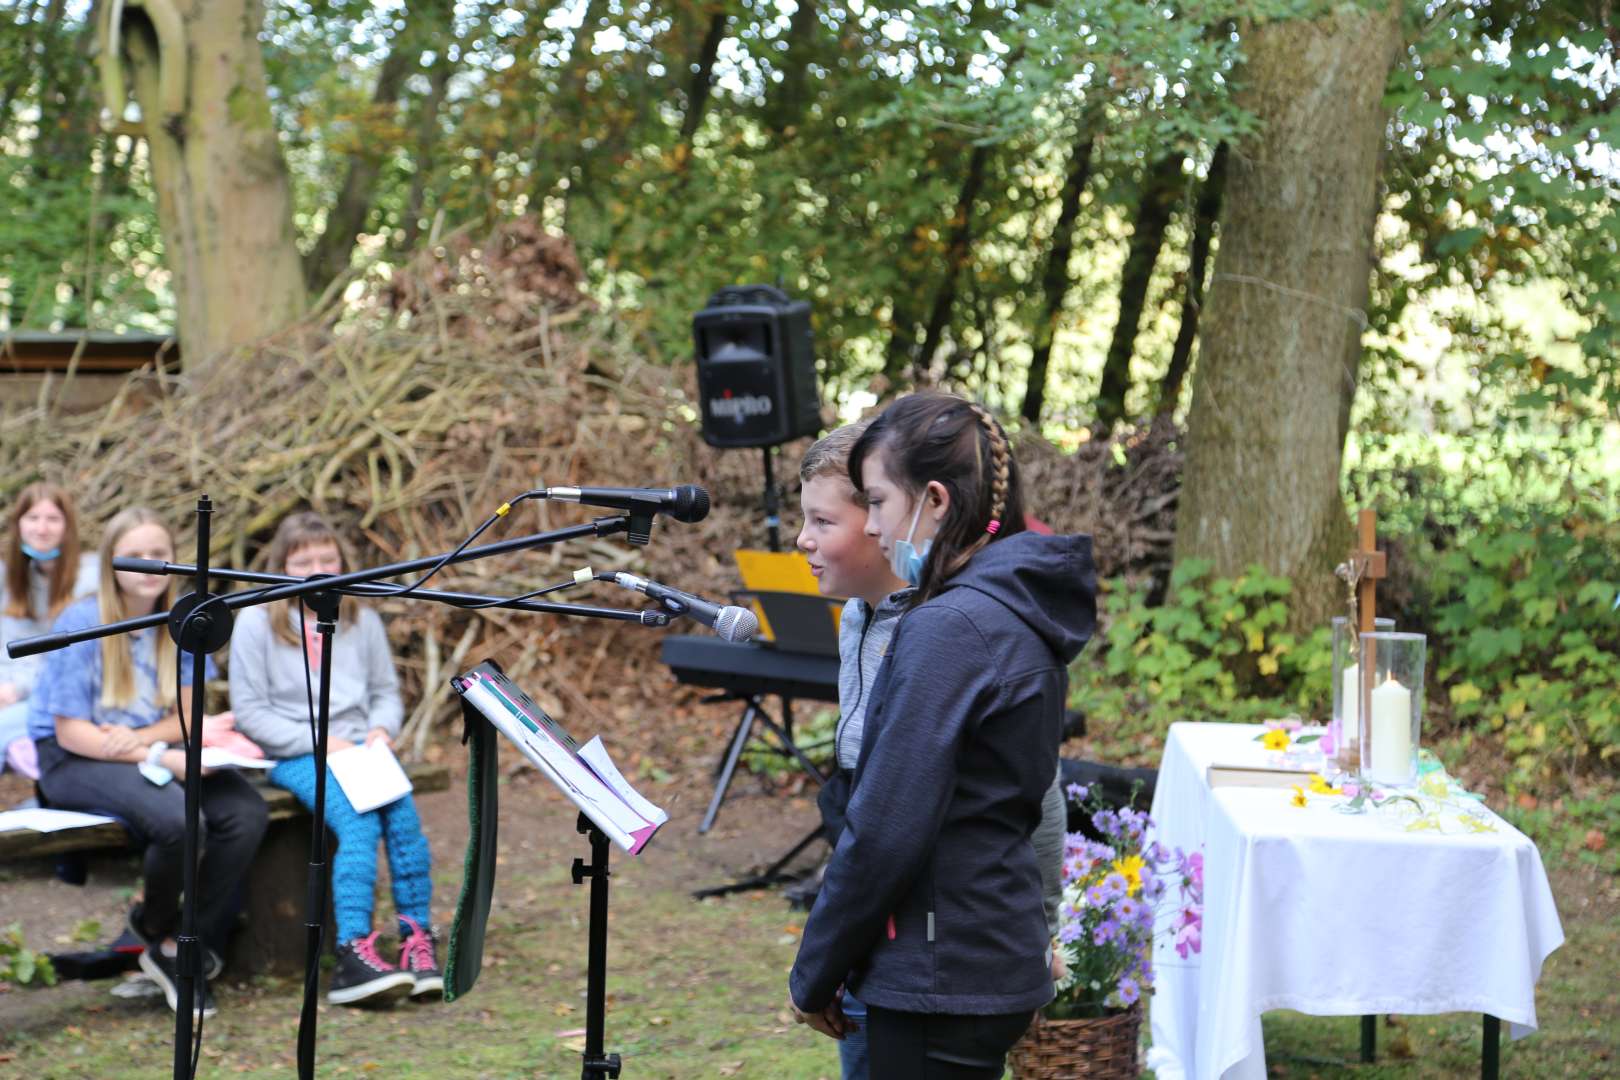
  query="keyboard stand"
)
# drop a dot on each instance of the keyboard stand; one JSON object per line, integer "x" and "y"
{"x": 754, "y": 711}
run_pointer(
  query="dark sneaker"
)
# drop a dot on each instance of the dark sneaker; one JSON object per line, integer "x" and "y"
{"x": 165, "y": 971}
{"x": 362, "y": 976}
{"x": 419, "y": 955}
{"x": 213, "y": 963}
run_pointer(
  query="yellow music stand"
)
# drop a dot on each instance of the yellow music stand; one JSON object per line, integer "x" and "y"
{"x": 792, "y": 612}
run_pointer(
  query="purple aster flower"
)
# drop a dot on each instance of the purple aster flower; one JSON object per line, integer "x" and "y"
{"x": 1129, "y": 910}
{"x": 1106, "y": 821}
{"x": 1114, "y": 886}
{"x": 1069, "y": 933}
{"x": 1078, "y": 792}
{"x": 1129, "y": 992}
{"x": 1095, "y": 897}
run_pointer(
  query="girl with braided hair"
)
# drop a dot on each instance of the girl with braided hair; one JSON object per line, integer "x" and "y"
{"x": 930, "y": 909}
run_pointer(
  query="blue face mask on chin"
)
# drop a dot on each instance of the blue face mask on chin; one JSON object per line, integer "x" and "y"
{"x": 37, "y": 555}
{"x": 907, "y": 560}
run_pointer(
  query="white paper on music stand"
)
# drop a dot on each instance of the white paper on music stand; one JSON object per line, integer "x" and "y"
{"x": 595, "y": 754}
{"x": 217, "y": 757}
{"x": 545, "y": 743}
{"x": 370, "y": 776}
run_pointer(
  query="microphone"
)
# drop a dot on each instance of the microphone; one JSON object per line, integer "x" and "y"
{"x": 730, "y": 622}
{"x": 687, "y": 502}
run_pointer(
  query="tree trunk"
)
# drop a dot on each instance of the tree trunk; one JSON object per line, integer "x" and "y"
{"x": 223, "y": 199}
{"x": 347, "y": 217}
{"x": 956, "y": 256}
{"x": 1055, "y": 277}
{"x": 697, "y": 95}
{"x": 1264, "y": 451}
{"x": 1161, "y": 185}
{"x": 1192, "y": 302}
{"x": 427, "y": 137}
{"x": 786, "y": 103}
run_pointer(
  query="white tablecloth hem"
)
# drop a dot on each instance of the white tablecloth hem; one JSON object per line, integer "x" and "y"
{"x": 1521, "y": 1021}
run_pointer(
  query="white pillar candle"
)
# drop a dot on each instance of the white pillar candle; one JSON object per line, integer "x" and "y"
{"x": 1350, "y": 727}
{"x": 1391, "y": 727}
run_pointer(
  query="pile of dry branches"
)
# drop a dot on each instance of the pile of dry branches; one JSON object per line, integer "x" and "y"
{"x": 476, "y": 373}
{"x": 1122, "y": 491}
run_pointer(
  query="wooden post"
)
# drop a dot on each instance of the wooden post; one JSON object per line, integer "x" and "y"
{"x": 1369, "y": 566}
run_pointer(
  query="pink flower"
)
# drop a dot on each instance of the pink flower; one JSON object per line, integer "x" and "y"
{"x": 1189, "y": 939}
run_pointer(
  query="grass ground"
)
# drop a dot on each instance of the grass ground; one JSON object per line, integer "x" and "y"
{"x": 695, "y": 989}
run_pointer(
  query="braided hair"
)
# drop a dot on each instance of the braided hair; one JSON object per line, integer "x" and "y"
{"x": 929, "y": 437}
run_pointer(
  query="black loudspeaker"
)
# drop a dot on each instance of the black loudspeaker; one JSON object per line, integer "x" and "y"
{"x": 756, "y": 371}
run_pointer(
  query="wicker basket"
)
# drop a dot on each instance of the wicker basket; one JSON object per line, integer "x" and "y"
{"x": 1103, "y": 1048}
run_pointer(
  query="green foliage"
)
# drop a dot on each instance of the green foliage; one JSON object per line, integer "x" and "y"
{"x": 1525, "y": 641}
{"x": 20, "y": 964}
{"x": 1215, "y": 649}
{"x": 1500, "y": 175}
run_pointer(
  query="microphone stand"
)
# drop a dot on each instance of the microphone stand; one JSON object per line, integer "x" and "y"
{"x": 201, "y": 623}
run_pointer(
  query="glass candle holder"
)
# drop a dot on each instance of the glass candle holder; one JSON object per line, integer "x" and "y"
{"x": 1345, "y": 726}
{"x": 1392, "y": 703}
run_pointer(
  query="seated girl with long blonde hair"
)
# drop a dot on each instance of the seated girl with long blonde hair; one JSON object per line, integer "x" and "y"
{"x": 105, "y": 721}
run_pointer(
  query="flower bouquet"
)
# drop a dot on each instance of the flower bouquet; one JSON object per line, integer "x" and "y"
{"x": 1119, "y": 893}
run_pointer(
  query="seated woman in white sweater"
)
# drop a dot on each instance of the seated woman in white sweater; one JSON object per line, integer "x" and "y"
{"x": 270, "y": 648}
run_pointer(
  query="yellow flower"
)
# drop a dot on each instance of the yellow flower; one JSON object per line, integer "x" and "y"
{"x": 1130, "y": 868}
{"x": 1320, "y": 786}
{"x": 1299, "y": 796}
{"x": 1275, "y": 739}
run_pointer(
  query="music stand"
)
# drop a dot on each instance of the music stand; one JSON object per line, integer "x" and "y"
{"x": 607, "y": 803}
{"x": 796, "y": 618}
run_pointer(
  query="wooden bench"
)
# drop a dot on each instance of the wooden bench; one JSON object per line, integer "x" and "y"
{"x": 273, "y": 942}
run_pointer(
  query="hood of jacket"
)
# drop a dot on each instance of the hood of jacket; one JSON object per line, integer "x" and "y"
{"x": 1049, "y": 582}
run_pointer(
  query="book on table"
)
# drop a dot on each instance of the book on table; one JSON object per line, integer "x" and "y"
{"x": 585, "y": 773}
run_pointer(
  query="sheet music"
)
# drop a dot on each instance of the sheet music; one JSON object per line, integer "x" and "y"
{"x": 616, "y": 808}
{"x": 370, "y": 776}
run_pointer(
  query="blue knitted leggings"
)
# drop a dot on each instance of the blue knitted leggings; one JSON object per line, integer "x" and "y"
{"x": 354, "y": 867}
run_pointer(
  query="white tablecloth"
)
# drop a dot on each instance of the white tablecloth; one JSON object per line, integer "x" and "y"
{"x": 1332, "y": 914}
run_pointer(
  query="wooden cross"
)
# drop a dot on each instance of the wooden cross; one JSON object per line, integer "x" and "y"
{"x": 1367, "y": 566}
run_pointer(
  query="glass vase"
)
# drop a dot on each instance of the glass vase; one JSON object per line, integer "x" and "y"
{"x": 1345, "y": 726}
{"x": 1392, "y": 703}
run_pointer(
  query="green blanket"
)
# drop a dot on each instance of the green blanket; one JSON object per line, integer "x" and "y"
{"x": 478, "y": 872}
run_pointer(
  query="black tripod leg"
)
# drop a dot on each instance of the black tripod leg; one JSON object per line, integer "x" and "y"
{"x": 771, "y": 875}
{"x": 739, "y": 739}
{"x": 791, "y": 748}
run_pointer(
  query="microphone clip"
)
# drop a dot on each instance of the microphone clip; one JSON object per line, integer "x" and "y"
{"x": 640, "y": 530}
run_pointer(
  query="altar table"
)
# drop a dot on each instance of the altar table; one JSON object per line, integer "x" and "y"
{"x": 1333, "y": 914}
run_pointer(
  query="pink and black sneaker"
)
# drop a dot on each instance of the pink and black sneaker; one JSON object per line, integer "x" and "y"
{"x": 419, "y": 955}
{"x": 362, "y": 976}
